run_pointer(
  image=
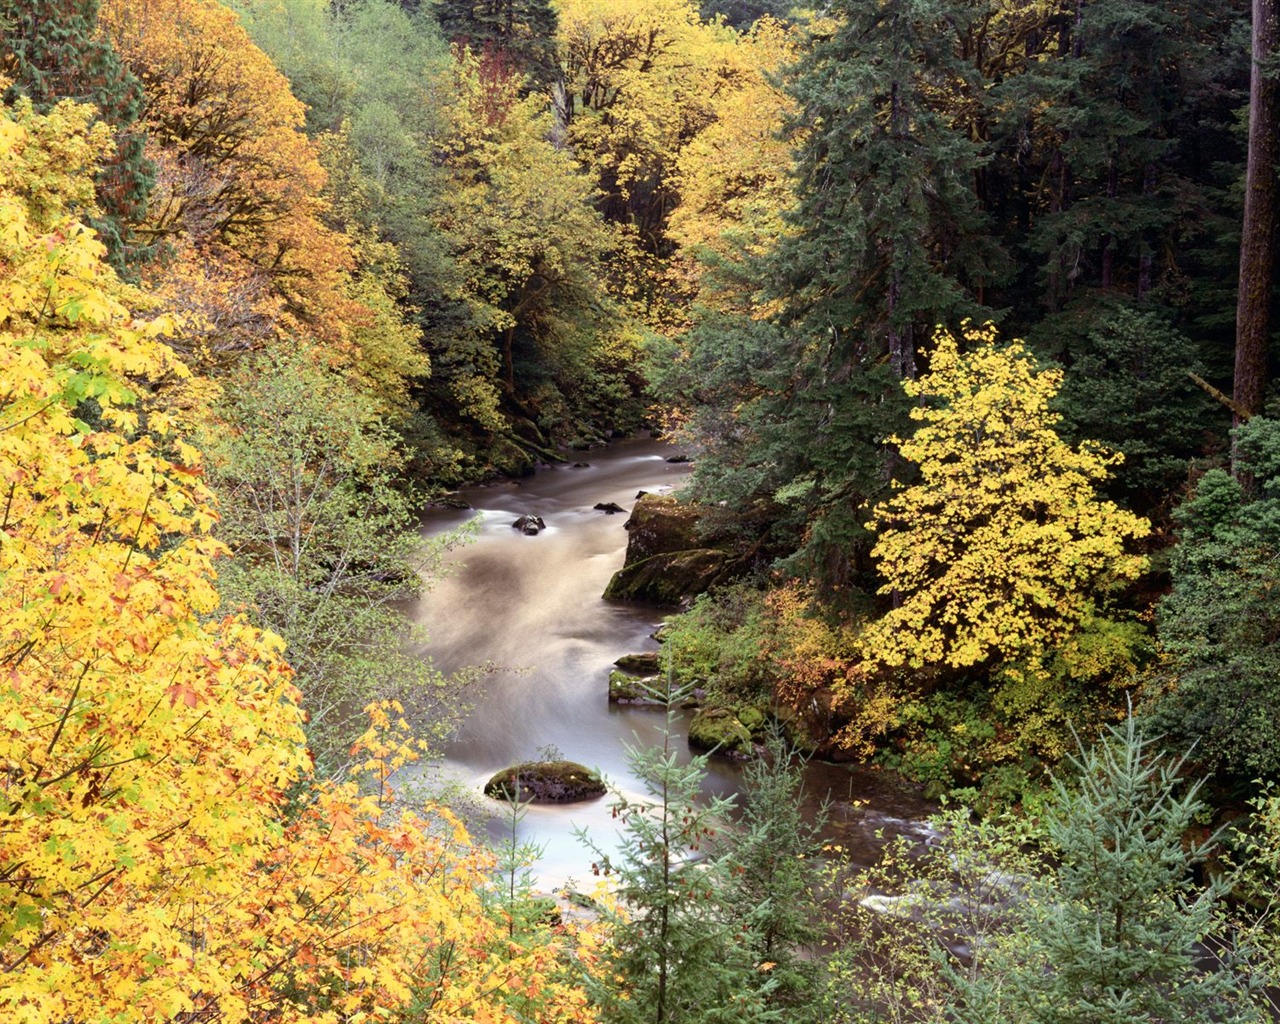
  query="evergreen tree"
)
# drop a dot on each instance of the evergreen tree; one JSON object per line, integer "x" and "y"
{"x": 676, "y": 954}
{"x": 1119, "y": 933}
{"x": 888, "y": 242}
{"x": 520, "y": 31}
{"x": 52, "y": 51}
{"x": 1220, "y": 621}
{"x": 772, "y": 861}
{"x": 1258, "y": 235}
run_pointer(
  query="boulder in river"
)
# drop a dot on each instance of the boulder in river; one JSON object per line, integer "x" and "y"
{"x": 666, "y": 561}
{"x": 609, "y": 507}
{"x": 645, "y": 663}
{"x": 719, "y": 729}
{"x": 530, "y": 525}
{"x": 624, "y": 688}
{"x": 668, "y": 579}
{"x": 546, "y": 782}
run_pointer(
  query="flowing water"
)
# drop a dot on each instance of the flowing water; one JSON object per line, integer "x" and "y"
{"x": 532, "y": 605}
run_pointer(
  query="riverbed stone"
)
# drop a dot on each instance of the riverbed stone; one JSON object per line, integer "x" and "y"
{"x": 530, "y": 525}
{"x": 719, "y": 729}
{"x": 609, "y": 507}
{"x": 645, "y": 663}
{"x": 546, "y": 782}
{"x": 625, "y": 688}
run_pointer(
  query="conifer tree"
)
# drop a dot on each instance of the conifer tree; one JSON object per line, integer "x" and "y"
{"x": 771, "y": 863}
{"x": 1120, "y": 933}
{"x": 1257, "y": 244}
{"x": 676, "y": 955}
{"x": 522, "y": 32}
{"x": 52, "y": 51}
{"x": 888, "y": 241}
{"x": 1219, "y": 623}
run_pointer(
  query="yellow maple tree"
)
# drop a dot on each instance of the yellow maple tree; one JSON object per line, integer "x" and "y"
{"x": 733, "y": 177}
{"x": 641, "y": 78}
{"x": 165, "y": 848}
{"x": 1003, "y": 546}
{"x": 141, "y": 738}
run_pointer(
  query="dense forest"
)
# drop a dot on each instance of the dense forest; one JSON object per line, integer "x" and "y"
{"x": 966, "y": 313}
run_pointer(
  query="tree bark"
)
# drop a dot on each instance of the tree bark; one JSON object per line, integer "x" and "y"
{"x": 1257, "y": 236}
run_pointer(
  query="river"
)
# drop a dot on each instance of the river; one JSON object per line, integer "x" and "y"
{"x": 532, "y": 605}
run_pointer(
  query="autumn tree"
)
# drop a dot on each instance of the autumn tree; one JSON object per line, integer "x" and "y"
{"x": 1003, "y": 548}
{"x": 733, "y": 177}
{"x": 143, "y": 736}
{"x": 53, "y": 51}
{"x": 167, "y": 851}
{"x": 325, "y": 544}
{"x": 240, "y": 193}
{"x": 531, "y": 250}
{"x": 640, "y": 77}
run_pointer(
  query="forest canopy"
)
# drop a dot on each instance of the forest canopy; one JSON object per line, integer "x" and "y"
{"x": 965, "y": 313}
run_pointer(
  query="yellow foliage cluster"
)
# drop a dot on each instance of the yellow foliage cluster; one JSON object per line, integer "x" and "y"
{"x": 1002, "y": 547}
{"x": 733, "y": 177}
{"x": 240, "y": 202}
{"x": 520, "y": 217}
{"x": 164, "y": 847}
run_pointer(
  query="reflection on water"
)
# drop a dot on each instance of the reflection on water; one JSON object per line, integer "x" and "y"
{"x": 532, "y": 604}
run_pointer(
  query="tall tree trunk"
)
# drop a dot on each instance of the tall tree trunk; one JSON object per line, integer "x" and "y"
{"x": 1146, "y": 259}
{"x": 1257, "y": 237}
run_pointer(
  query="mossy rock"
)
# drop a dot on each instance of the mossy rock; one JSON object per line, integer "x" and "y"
{"x": 546, "y": 782}
{"x": 509, "y": 459}
{"x": 719, "y": 729}
{"x": 625, "y": 688}
{"x": 752, "y": 718}
{"x": 659, "y": 525}
{"x": 645, "y": 663}
{"x": 668, "y": 578}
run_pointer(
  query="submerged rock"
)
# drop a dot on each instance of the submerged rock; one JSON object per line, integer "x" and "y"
{"x": 530, "y": 525}
{"x": 546, "y": 782}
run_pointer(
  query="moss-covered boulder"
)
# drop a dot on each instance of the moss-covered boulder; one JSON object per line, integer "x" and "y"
{"x": 668, "y": 578}
{"x": 753, "y": 719}
{"x": 546, "y": 782}
{"x": 645, "y": 663}
{"x": 666, "y": 561}
{"x": 659, "y": 524}
{"x": 625, "y": 688}
{"x": 719, "y": 729}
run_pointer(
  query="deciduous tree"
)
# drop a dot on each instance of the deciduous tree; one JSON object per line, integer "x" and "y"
{"x": 1003, "y": 547}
